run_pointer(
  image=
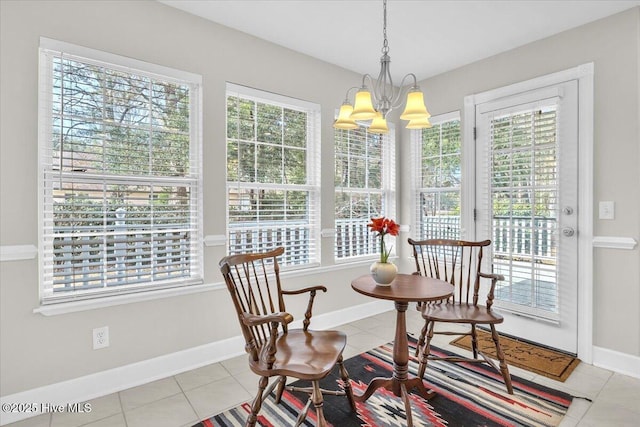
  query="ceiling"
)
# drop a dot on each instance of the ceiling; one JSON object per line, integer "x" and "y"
{"x": 425, "y": 37}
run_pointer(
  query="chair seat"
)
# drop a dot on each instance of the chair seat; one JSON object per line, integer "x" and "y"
{"x": 306, "y": 355}
{"x": 466, "y": 313}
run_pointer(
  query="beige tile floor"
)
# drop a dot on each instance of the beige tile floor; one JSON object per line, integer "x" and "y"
{"x": 185, "y": 399}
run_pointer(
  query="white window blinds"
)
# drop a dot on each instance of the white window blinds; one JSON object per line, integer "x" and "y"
{"x": 364, "y": 188}
{"x": 524, "y": 193}
{"x": 273, "y": 182}
{"x": 121, "y": 176}
{"x": 437, "y": 178}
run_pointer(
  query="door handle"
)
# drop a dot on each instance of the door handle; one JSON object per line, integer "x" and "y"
{"x": 568, "y": 231}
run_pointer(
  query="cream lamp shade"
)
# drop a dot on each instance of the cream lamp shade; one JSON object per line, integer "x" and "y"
{"x": 415, "y": 108}
{"x": 419, "y": 124}
{"x": 344, "y": 120}
{"x": 378, "y": 125}
{"x": 363, "y": 107}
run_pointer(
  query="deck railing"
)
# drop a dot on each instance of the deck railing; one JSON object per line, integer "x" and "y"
{"x": 119, "y": 258}
{"x": 294, "y": 235}
{"x": 137, "y": 256}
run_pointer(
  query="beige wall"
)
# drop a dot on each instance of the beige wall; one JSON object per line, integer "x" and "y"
{"x": 37, "y": 350}
{"x": 612, "y": 44}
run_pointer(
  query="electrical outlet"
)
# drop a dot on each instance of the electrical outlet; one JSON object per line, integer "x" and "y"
{"x": 101, "y": 337}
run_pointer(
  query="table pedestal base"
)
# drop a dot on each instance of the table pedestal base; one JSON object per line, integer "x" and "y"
{"x": 404, "y": 289}
{"x": 400, "y": 384}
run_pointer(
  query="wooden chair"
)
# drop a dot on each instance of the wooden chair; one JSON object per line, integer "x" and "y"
{"x": 458, "y": 262}
{"x": 253, "y": 281}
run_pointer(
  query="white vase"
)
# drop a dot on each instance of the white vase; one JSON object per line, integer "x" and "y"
{"x": 383, "y": 272}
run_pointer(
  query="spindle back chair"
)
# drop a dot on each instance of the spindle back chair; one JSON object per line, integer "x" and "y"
{"x": 275, "y": 350}
{"x": 459, "y": 263}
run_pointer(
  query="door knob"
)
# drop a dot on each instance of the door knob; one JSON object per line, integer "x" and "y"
{"x": 568, "y": 231}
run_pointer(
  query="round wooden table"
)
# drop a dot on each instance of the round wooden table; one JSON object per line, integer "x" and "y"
{"x": 404, "y": 289}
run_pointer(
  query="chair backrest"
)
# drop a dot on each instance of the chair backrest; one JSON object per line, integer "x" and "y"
{"x": 253, "y": 280}
{"x": 457, "y": 262}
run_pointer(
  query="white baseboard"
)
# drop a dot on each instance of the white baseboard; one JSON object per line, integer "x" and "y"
{"x": 117, "y": 379}
{"x": 615, "y": 361}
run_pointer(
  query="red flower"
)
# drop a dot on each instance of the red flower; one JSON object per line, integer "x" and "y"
{"x": 377, "y": 224}
{"x": 393, "y": 227}
{"x": 384, "y": 226}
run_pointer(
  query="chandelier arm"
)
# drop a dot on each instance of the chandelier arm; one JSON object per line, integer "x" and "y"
{"x": 397, "y": 101}
{"x": 374, "y": 88}
{"x": 384, "y": 89}
{"x": 415, "y": 80}
{"x": 364, "y": 78}
{"x": 346, "y": 97}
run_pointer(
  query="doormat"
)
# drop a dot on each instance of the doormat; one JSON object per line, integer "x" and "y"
{"x": 469, "y": 395}
{"x": 549, "y": 363}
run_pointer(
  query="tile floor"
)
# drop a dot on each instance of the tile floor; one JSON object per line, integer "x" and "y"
{"x": 185, "y": 399}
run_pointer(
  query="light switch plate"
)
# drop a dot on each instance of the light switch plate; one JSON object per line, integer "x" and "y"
{"x": 607, "y": 210}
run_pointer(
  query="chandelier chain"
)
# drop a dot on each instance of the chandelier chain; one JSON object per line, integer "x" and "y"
{"x": 385, "y": 43}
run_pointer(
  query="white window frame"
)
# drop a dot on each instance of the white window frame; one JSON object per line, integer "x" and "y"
{"x": 370, "y": 246}
{"x": 83, "y": 299}
{"x": 416, "y": 168}
{"x": 313, "y": 164}
{"x": 585, "y": 75}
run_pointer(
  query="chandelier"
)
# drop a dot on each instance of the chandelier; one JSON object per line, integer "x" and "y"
{"x": 375, "y": 105}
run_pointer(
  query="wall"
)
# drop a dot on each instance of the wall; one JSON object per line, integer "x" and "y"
{"x": 612, "y": 45}
{"x": 38, "y": 350}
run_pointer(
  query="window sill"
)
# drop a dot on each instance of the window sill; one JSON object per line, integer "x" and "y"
{"x": 91, "y": 304}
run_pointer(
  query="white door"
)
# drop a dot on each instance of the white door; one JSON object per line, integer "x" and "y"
{"x": 526, "y": 203}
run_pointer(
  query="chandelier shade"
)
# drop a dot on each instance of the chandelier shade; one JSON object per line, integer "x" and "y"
{"x": 379, "y": 125}
{"x": 344, "y": 120}
{"x": 375, "y": 104}
{"x": 363, "y": 107}
{"x": 415, "y": 108}
{"x": 423, "y": 123}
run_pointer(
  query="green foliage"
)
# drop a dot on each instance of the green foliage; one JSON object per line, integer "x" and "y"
{"x": 118, "y": 124}
{"x": 523, "y": 164}
{"x": 265, "y": 143}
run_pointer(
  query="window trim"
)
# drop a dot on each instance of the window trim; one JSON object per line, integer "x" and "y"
{"x": 127, "y": 65}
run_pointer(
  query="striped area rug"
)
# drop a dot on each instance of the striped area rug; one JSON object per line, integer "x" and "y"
{"x": 467, "y": 395}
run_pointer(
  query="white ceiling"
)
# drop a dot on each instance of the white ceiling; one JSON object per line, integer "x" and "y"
{"x": 425, "y": 37}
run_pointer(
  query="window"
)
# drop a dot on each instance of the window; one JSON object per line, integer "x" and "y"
{"x": 437, "y": 174}
{"x": 273, "y": 175}
{"x": 364, "y": 188}
{"x": 121, "y": 176}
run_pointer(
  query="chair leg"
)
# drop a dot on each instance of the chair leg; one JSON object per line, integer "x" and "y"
{"x": 318, "y": 403}
{"x": 347, "y": 384}
{"x": 420, "y": 343}
{"x": 282, "y": 382}
{"x": 426, "y": 350}
{"x": 504, "y": 369}
{"x": 474, "y": 341}
{"x": 257, "y": 403}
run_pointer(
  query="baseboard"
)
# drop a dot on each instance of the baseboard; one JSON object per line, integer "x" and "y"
{"x": 616, "y": 361}
{"x": 117, "y": 379}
